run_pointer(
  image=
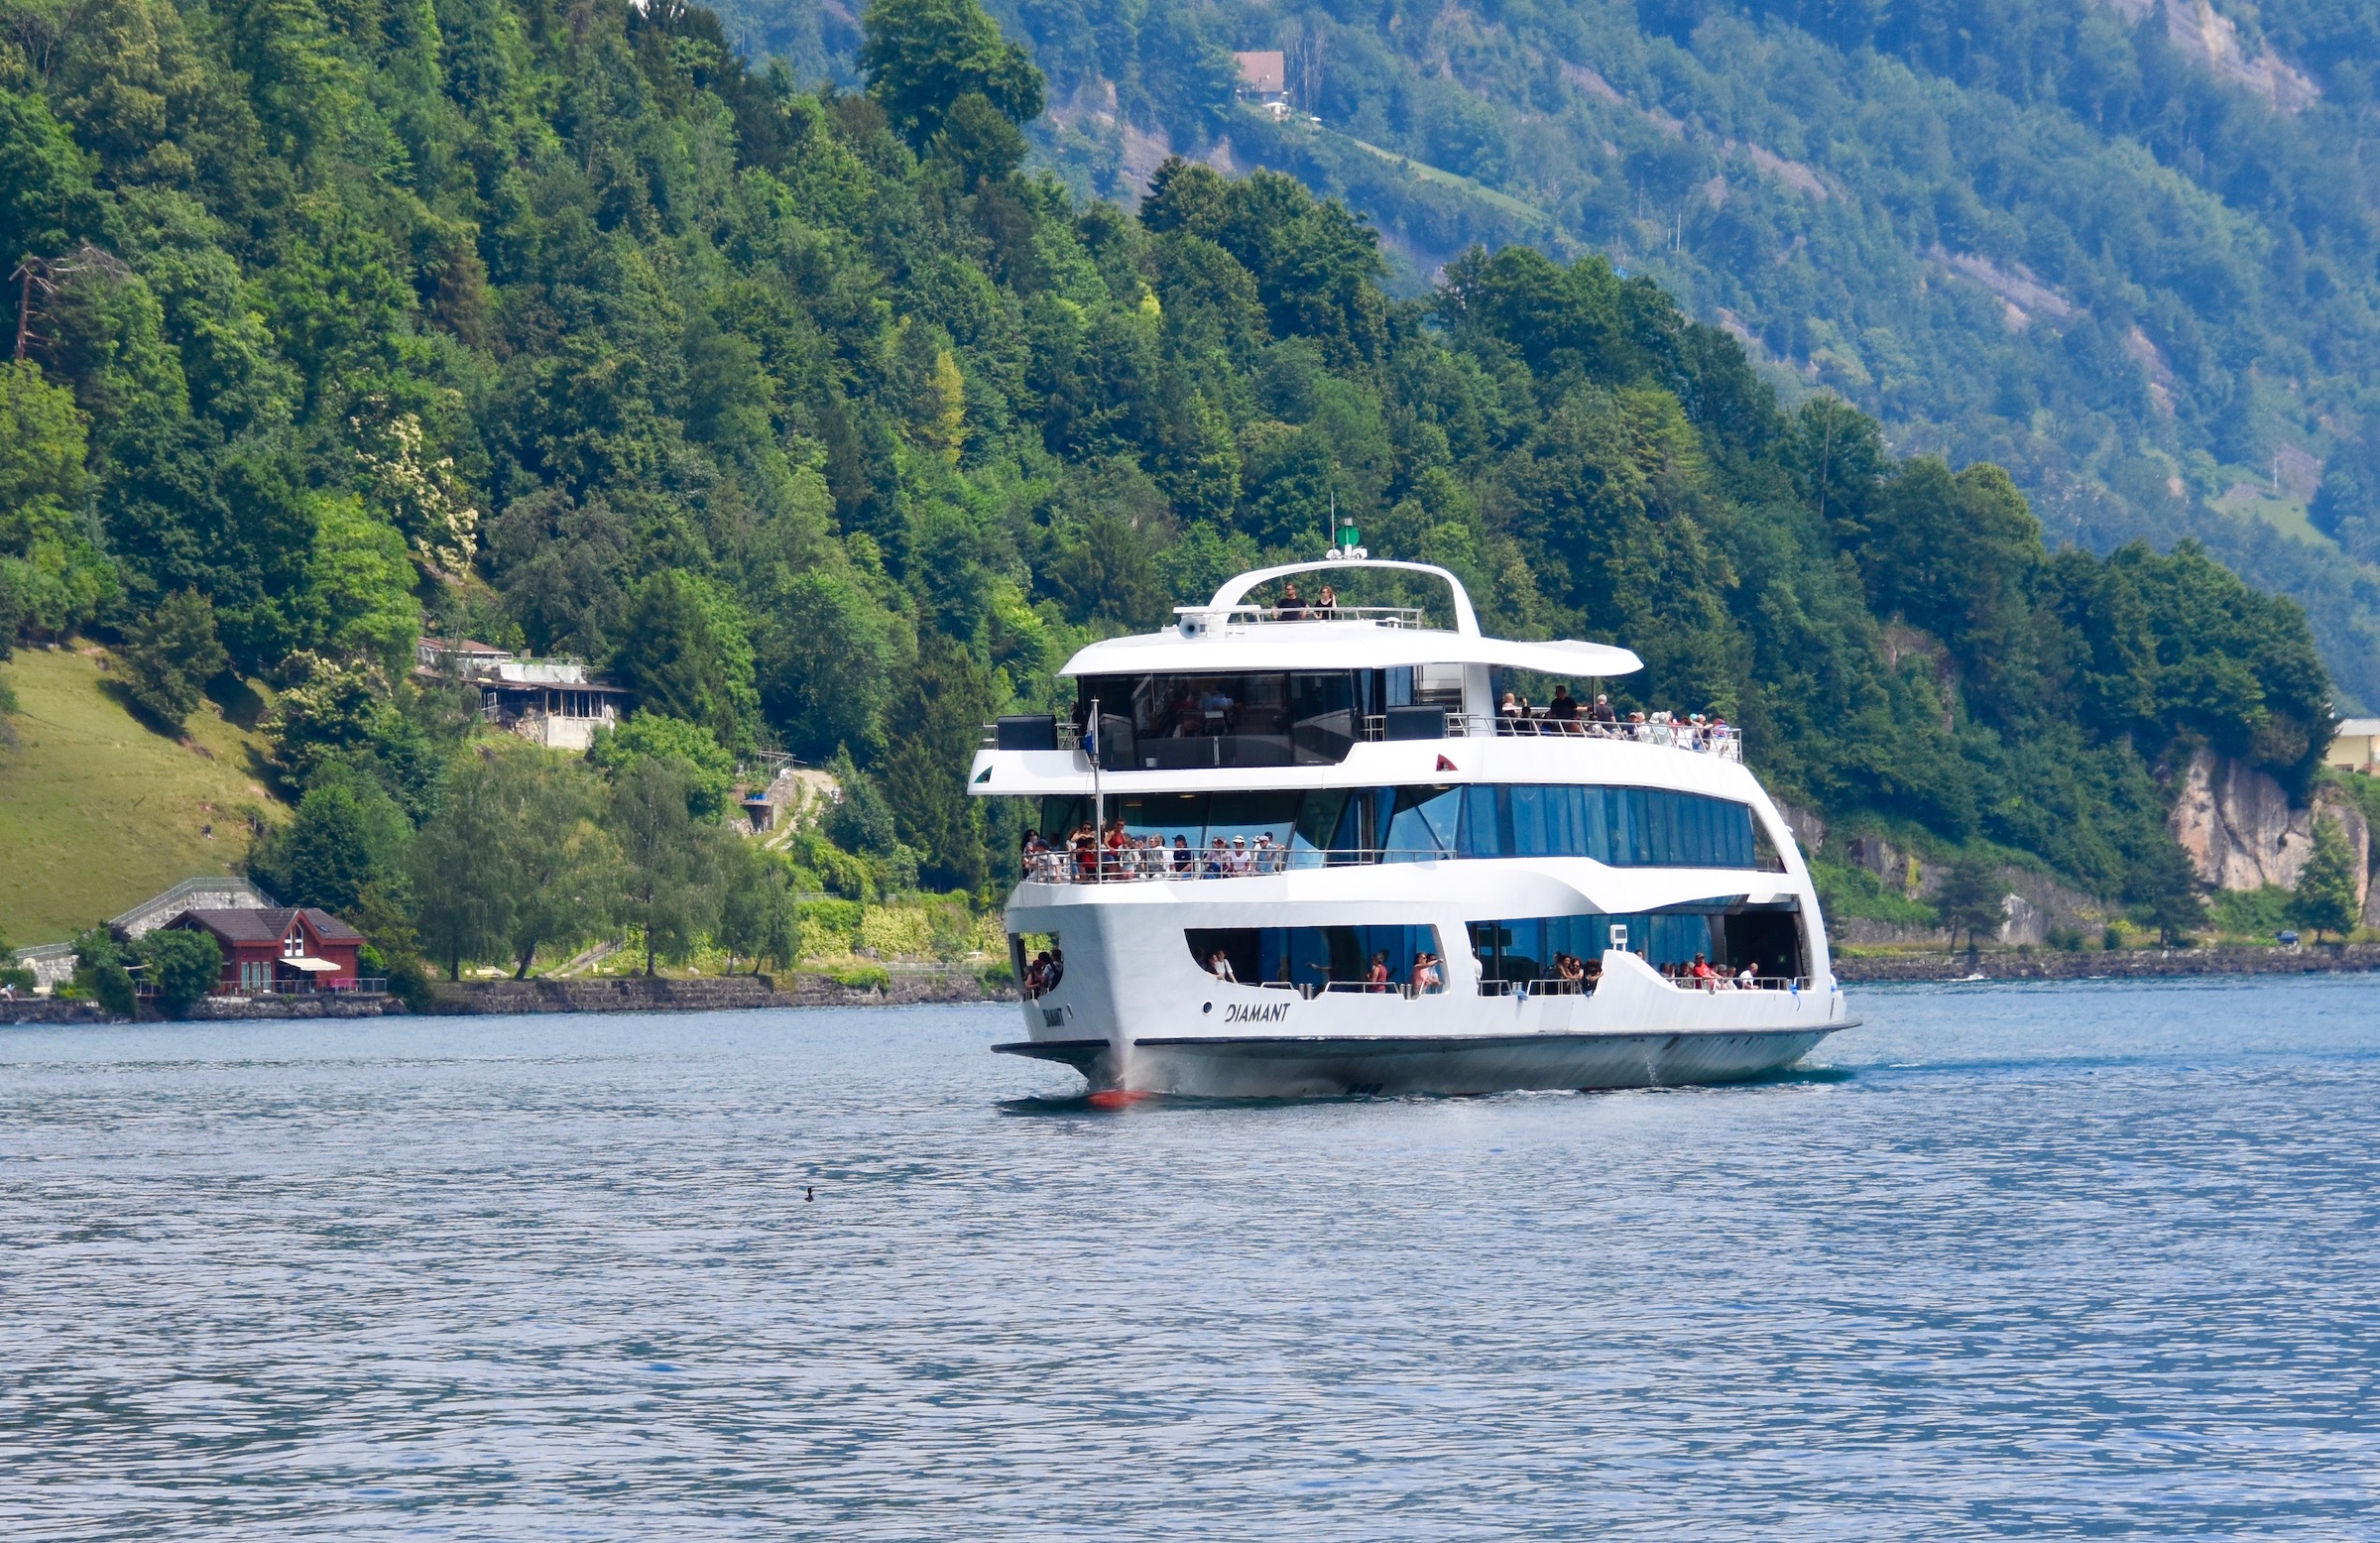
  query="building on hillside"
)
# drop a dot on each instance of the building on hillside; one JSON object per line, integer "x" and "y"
{"x": 555, "y": 704}
{"x": 283, "y": 951}
{"x": 224, "y": 893}
{"x": 2356, "y": 746}
{"x": 771, "y": 803}
{"x": 53, "y": 964}
{"x": 1264, "y": 80}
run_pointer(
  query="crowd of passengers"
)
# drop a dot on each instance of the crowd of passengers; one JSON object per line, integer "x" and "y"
{"x": 1577, "y": 977}
{"x": 1428, "y": 973}
{"x": 1087, "y": 854}
{"x": 1566, "y": 715}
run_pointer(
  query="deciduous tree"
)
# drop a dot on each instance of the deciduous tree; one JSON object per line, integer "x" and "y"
{"x": 2325, "y": 898}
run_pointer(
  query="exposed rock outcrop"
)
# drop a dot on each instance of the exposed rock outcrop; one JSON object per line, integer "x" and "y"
{"x": 2242, "y": 833}
{"x": 2033, "y": 904}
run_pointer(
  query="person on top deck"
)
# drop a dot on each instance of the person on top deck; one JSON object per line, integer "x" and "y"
{"x": 1183, "y": 858}
{"x": 1327, "y": 607}
{"x": 1376, "y": 978}
{"x": 1562, "y": 710}
{"x": 1291, "y": 608}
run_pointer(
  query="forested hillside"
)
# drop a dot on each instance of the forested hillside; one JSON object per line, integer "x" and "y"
{"x": 2128, "y": 249}
{"x": 824, "y": 427}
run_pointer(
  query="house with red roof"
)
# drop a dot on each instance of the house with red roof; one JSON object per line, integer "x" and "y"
{"x": 280, "y": 950}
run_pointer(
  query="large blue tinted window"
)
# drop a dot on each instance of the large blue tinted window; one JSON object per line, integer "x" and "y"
{"x": 1315, "y": 959}
{"x": 1766, "y": 938}
{"x": 1628, "y": 827}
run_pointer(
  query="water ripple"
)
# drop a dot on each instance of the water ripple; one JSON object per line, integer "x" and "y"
{"x": 2055, "y": 1260}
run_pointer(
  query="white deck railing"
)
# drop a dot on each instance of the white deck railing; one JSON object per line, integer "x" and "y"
{"x": 1722, "y": 740}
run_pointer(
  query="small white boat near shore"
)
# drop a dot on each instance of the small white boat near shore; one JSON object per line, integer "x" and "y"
{"x": 1324, "y": 864}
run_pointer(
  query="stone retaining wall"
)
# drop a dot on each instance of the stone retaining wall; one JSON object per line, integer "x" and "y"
{"x": 49, "y": 1009}
{"x": 2126, "y": 964}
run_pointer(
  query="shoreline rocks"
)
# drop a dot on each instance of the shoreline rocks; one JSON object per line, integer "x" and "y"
{"x": 2125, "y": 964}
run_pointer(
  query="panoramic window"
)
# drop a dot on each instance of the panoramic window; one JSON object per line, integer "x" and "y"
{"x": 1728, "y": 934}
{"x": 1627, "y": 827}
{"x": 1162, "y": 723}
{"x": 1318, "y": 959}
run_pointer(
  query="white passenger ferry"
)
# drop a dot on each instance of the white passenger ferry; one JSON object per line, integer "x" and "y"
{"x": 1325, "y": 863}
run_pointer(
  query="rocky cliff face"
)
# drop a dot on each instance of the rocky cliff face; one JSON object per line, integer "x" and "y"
{"x": 2240, "y": 832}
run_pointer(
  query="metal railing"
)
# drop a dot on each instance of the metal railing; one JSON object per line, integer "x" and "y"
{"x": 1313, "y": 989}
{"x": 1722, "y": 740}
{"x": 362, "y": 985}
{"x": 1158, "y": 865}
{"x": 1268, "y": 615}
{"x": 1558, "y": 987}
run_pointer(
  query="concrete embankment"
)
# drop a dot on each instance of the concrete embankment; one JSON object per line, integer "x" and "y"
{"x": 2126, "y": 964}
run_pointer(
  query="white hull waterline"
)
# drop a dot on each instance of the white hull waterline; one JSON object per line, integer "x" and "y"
{"x": 1325, "y": 864}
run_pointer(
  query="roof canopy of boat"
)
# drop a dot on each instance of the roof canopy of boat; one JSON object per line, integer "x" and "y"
{"x": 1228, "y": 635}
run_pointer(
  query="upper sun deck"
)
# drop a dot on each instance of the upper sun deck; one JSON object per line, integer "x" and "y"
{"x": 1230, "y": 634}
{"x": 1278, "y": 694}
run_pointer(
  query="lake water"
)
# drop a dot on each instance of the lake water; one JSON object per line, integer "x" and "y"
{"x": 2068, "y": 1258}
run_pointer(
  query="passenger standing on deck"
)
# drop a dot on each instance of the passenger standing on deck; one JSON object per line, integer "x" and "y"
{"x": 1563, "y": 711}
{"x": 1326, "y": 609}
{"x": 1291, "y": 608}
{"x": 1183, "y": 858}
{"x": 1376, "y": 978}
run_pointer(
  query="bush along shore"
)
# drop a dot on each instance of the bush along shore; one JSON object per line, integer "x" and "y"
{"x": 2123, "y": 964}
{"x": 623, "y": 994}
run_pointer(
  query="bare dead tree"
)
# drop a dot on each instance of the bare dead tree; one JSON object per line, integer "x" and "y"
{"x": 39, "y": 279}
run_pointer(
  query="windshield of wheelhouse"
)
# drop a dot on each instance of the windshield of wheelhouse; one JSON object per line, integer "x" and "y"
{"x": 1169, "y": 723}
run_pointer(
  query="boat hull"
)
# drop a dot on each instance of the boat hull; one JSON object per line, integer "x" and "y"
{"x": 1323, "y": 1066}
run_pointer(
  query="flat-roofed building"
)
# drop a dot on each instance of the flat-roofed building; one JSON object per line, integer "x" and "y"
{"x": 2356, "y": 746}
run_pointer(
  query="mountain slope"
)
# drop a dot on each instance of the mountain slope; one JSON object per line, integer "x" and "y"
{"x": 99, "y": 811}
{"x": 829, "y": 428}
{"x": 2129, "y": 249}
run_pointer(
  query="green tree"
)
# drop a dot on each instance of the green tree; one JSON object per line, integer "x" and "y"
{"x": 461, "y": 868}
{"x": 348, "y": 837}
{"x": 2325, "y": 898}
{"x": 708, "y": 768}
{"x": 669, "y": 859}
{"x": 170, "y": 653}
{"x": 685, "y": 654}
{"x": 757, "y": 910}
{"x": 565, "y": 867}
{"x": 2162, "y": 879}
{"x": 1970, "y": 900}
{"x": 925, "y": 761}
{"x": 52, "y": 578}
{"x": 922, "y": 56}
{"x": 101, "y": 976}
{"x": 182, "y": 965}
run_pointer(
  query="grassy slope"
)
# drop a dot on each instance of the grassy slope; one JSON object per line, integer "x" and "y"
{"x": 98, "y": 811}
